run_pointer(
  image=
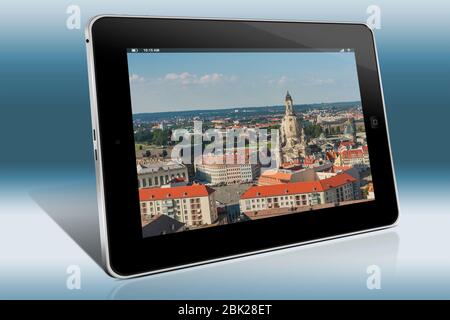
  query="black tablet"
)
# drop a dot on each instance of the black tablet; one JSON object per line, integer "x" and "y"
{"x": 215, "y": 139}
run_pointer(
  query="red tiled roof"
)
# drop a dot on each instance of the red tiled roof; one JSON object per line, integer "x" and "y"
{"x": 340, "y": 168}
{"x": 297, "y": 187}
{"x": 347, "y": 143}
{"x": 268, "y": 178}
{"x": 282, "y": 189}
{"x": 309, "y": 160}
{"x": 277, "y": 175}
{"x": 336, "y": 181}
{"x": 198, "y": 190}
{"x": 351, "y": 154}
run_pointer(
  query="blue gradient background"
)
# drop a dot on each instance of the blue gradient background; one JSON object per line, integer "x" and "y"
{"x": 45, "y": 134}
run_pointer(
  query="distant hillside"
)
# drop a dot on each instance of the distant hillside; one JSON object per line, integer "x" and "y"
{"x": 238, "y": 112}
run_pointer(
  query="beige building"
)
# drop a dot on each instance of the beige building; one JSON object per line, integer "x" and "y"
{"x": 193, "y": 205}
{"x": 354, "y": 157}
{"x": 296, "y": 195}
{"x": 227, "y": 173}
{"x": 158, "y": 173}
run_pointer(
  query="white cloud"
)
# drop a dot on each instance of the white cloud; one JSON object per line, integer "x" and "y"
{"x": 279, "y": 81}
{"x": 282, "y": 80}
{"x": 210, "y": 78}
{"x": 320, "y": 82}
{"x": 186, "y": 78}
{"x": 136, "y": 78}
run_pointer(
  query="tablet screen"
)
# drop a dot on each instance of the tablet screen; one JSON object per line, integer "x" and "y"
{"x": 224, "y": 136}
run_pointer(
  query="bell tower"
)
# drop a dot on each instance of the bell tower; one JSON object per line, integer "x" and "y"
{"x": 292, "y": 135}
{"x": 289, "y": 104}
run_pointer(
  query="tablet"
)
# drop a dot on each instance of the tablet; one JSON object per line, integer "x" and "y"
{"x": 215, "y": 139}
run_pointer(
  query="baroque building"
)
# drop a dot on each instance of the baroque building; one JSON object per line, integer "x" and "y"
{"x": 292, "y": 135}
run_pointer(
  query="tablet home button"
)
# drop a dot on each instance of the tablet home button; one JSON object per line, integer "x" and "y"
{"x": 374, "y": 122}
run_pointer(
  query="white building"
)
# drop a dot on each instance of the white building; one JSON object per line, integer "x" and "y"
{"x": 193, "y": 205}
{"x": 158, "y": 173}
{"x": 227, "y": 173}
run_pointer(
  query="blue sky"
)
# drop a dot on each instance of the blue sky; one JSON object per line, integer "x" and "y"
{"x": 202, "y": 80}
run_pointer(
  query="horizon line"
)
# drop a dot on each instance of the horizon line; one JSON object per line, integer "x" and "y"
{"x": 254, "y": 107}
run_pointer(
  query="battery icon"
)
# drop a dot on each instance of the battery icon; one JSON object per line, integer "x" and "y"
{"x": 134, "y": 50}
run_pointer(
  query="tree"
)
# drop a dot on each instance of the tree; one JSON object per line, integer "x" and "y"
{"x": 143, "y": 135}
{"x": 160, "y": 137}
{"x": 313, "y": 130}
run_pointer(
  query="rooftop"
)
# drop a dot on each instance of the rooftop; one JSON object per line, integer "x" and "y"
{"x": 298, "y": 187}
{"x": 196, "y": 190}
{"x": 278, "y": 175}
{"x": 354, "y": 153}
{"x": 161, "y": 224}
{"x": 151, "y": 167}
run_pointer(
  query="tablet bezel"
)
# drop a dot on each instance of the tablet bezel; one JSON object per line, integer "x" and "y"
{"x": 126, "y": 253}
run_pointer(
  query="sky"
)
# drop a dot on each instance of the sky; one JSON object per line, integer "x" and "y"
{"x": 174, "y": 81}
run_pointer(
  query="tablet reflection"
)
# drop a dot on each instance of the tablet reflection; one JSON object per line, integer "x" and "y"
{"x": 323, "y": 270}
{"x": 74, "y": 208}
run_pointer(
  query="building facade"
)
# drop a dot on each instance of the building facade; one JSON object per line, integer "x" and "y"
{"x": 158, "y": 173}
{"x": 192, "y": 205}
{"x": 354, "y": 157}
{"x": 289, "y": 196}
{"x": 227, "y": 173}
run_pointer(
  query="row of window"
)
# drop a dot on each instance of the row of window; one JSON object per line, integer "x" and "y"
{"x": 159, "y": 180}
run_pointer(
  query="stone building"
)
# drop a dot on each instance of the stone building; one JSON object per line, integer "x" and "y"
{"x": 292, "y": 135}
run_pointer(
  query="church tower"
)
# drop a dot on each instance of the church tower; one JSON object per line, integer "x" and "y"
{"x": 289, "y": 104}
{"x": 292, "y": 134}
{"x": 290, "y": 128}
